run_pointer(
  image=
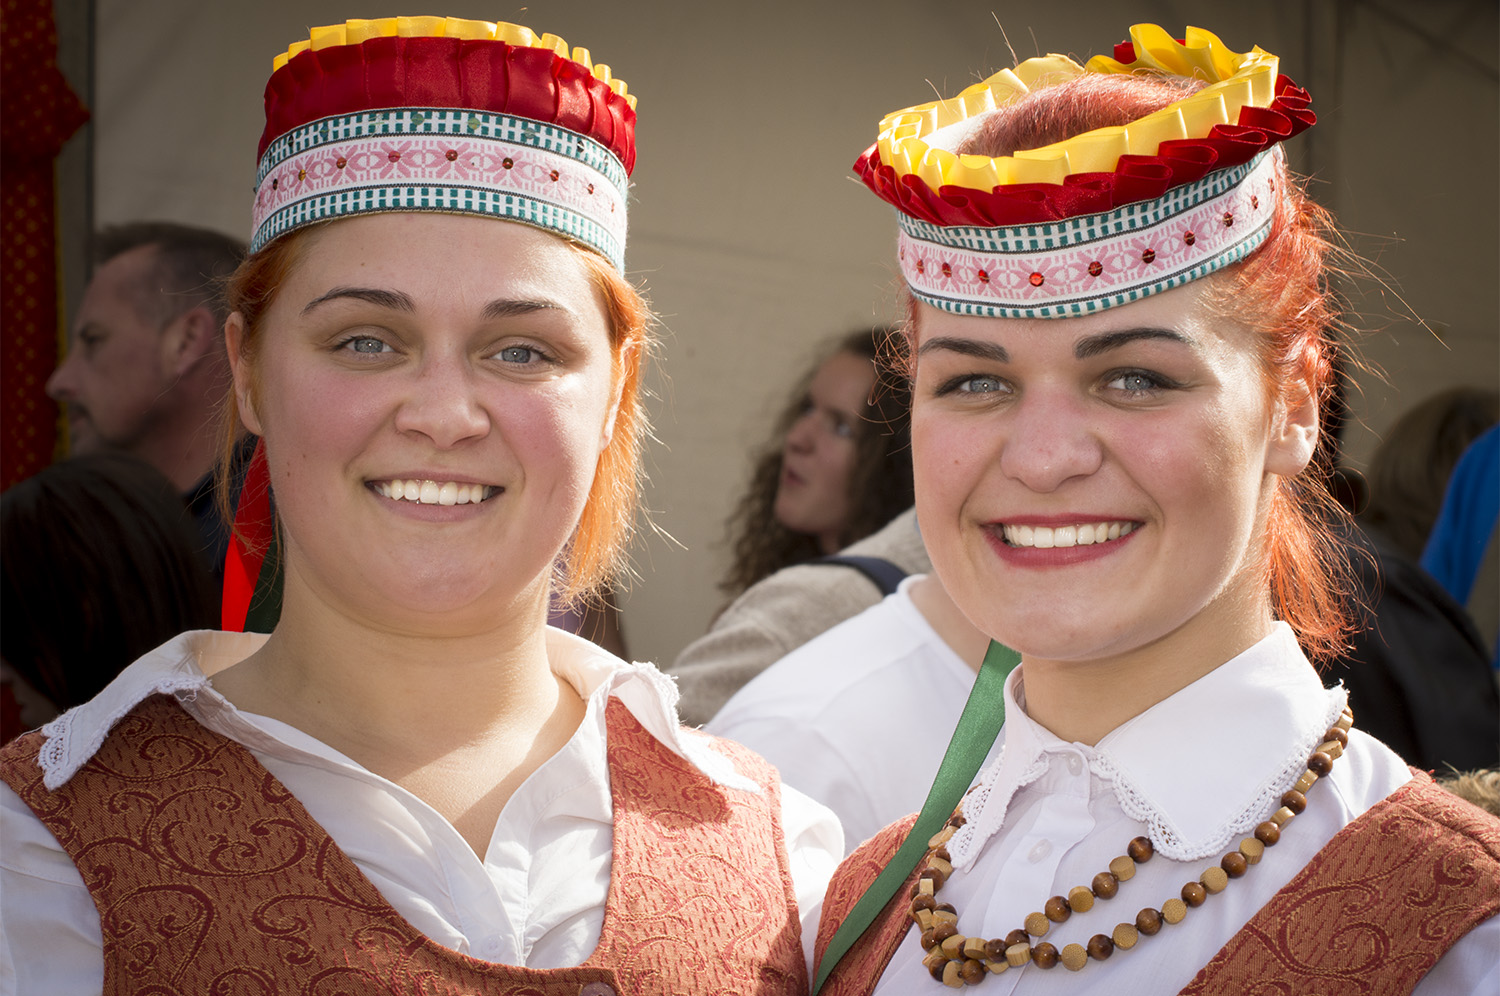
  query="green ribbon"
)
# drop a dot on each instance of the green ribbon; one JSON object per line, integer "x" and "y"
{"x": 983, "y": 715}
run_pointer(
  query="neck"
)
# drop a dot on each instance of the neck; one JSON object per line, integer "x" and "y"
{"x": 184, "y": 447}
{"x": 1084, "y": 700}
{"x": 962, "y": 637}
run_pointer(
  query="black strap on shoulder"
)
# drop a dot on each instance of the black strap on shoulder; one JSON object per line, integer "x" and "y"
{"x": 885, "y": 575}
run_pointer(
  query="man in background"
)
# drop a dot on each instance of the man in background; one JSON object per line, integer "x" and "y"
{"x": 145, "y": 372}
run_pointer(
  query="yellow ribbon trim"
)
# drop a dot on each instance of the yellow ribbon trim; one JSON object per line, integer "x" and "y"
{"x": 1235, "y": 80}
{"x": 357, "y": 30}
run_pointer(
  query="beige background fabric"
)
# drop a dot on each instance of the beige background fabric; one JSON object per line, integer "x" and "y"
{"x": 754, "y": 243}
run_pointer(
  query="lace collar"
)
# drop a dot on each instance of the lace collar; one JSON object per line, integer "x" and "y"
{"x": 1260, "y": 715}
{"x": 183, "y": 666}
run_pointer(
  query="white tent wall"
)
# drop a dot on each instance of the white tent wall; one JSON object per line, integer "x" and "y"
{"x": 755, "y": 245}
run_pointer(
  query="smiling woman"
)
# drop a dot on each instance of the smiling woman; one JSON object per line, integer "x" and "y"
{"x": 413, "y": 780}
{"x": 1121, "y": 339}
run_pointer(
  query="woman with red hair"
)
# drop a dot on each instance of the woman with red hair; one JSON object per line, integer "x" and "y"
{"x": 1121, "y": 340}
{"x": 413, "y": 784}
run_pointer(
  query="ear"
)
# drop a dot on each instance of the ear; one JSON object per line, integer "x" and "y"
{"x": 188, "y": 339}
{"x": 629, "y": 361}
{"x": 1294, "y": 430}
{"x": 239, "y": 369}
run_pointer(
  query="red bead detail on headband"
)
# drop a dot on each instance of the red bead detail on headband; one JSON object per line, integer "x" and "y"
{"x": 1096, "y": 268}
{"x": 921, "y": 266}
{"x": 1149, "y": 256}
{"x": 507, "y": 162}
{"x": 1254, "y": 201}
{"x": 554, "y": 176}
{"x": 451, "y": 155}
{"x": 1037, "y": 280}
{"x": 984, "y": 276}
{"x": 275, "y": 182}
{"x": 591, "y": 188}
{"x": 947, "y": 270}
{"x": 1189, "y": 238}
{"x": 394, "y": 156}
{"x": 1228, "y": 218}
{"x": 302, "y": 174}
{"x": 341, "y": 162}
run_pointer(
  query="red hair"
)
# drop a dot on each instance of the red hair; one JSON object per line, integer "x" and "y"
{"x": 595, "y": 554}
{"x": 1281, "y": 293}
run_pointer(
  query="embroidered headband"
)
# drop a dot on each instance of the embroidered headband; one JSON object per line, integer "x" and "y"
{"x": 1100, "y": 219}
{"x": 450, "y": 115}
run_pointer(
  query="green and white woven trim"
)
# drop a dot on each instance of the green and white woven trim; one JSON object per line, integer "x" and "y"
{"x": 1082, "y": 265}
{"x": 465, "y": 162}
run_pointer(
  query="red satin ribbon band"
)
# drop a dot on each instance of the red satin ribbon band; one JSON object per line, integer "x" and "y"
{"x": 483, "y": 75}
{"x": 1135, "y": 178}
{"x": 254, "y": 531}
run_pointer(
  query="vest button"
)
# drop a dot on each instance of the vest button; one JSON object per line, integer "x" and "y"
{"x": 597, "y": 989}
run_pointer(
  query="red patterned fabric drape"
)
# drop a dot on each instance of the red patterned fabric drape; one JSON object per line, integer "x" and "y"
{"x": 38, "y": 113}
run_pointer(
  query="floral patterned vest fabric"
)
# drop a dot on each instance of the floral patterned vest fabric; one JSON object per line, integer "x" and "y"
{"x": 210, "y": 877}
{"x": 1437, "y": 853}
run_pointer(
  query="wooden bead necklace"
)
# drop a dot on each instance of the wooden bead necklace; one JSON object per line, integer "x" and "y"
{"x": 956, "y": 960}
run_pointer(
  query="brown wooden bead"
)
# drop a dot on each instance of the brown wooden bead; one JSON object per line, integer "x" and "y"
{"x": 1037, "y": 924}
{"x": 1319, "y": 763}
{"x": 1074, "y": 957}
{"x": 1332, "y": 748}
{"x": 1140, "y": 850}
{"x": 1194, "y": 894}
{"x": 1305, "y": 781}
{"x": 945, "y": 868}
{"x": 924, "y": 901}
{"x": 951, "y": 977}
{"x": 972, "y": 972}
{"x": 1122, "y": 868}
{"x": 1056, "y": 909}
{"x": 1337, "y": 733}
{"x": 1214, "y": 879}
{"x": 942, "y": 931}
{"x": 1018, "y": 954}
{"x": 941, "y": 915}
{"x": 1267, "y": 833}
{"x": 1125, "y": 935}
{"x": 1173, "y": 910}
{"x": 941, "y": 837}
{"x": 928, "y": 943}
{"x": 1018, "y": 936}
{"x": 924, "y": 919}
{"x": 942, "y": 854}
{"x": 922, "y": 887}
{"x": 1100, "y": 947}
{"x": 1252, "y": 849}
{"x": 937, "y": 877}
{"x": 1148, "y": 921}
{"x": 1234, "y": 864}
{"x": 994, "y": 949}
{"x": 934, "y": 963}
{"x": 1044, "y": 955}
{"x": 953, "y": 946}
{"x": 1080, "y": 899}
{"x": 946, "y": 908}
{"x": 997, "y": 965}
{"x": 1106, "y": 886}
{"x": 1294, "y": 800}
{"x": 974, "y": 948}
{"x": 1282, "y": 816}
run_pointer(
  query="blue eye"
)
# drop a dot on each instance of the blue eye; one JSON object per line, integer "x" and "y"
{"x": 365, "y": 344}
{"x": 518, "y": 354}
{"x": 1136, "y": 382}
{"x": 980, "y": 385}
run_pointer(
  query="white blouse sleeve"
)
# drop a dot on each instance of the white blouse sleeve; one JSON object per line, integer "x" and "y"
{"x": 50, "y": 941}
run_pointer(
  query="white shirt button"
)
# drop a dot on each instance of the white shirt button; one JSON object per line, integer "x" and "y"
{"x": 1075, "y": 764}
{"x": 1041, "y": 849}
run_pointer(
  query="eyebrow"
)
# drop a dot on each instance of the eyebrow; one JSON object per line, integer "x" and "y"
{"x": 966, "y": 347}
{"x": 1095, "y": 344}
{"x": 398, "y": 301}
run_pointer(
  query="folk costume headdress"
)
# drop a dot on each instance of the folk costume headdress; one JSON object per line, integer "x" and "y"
{"x": 429, "y": 114}
{"x": 1100, "y": 219}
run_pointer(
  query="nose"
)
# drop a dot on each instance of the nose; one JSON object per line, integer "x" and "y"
{"x": 443, "y": 404}
{"x": 60, "y": 386}
{"x": 1049, "y": 442}
{"x": 803, "y": 435}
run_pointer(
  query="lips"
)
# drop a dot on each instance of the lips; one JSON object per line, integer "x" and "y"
{"x": 428, "y": 492}
{"x": 1057, "y": 537}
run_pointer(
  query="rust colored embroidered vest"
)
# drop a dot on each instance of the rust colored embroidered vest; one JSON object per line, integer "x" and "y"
{"x": 1437, "y": 853}
{"x": 210, "y": 877}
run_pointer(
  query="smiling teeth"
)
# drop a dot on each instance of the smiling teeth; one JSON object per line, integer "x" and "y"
{"x": 435, "y": 492}
{"x": 1047, "y": 538}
